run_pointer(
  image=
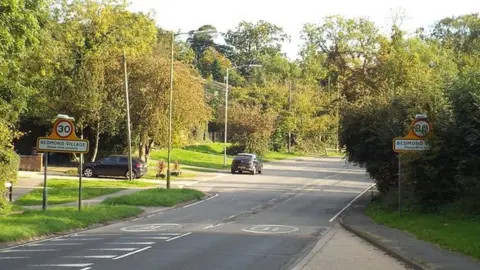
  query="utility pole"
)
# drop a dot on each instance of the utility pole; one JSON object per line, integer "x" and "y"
{"x": 338, "y": 116}
{"x": 289, "y": 145}
{"x": 130, "y": 170}
{"x": 169, "y": 156}
{"x": 226, "y": 121}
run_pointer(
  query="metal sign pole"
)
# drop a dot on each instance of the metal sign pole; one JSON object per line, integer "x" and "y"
{"x": 44, "y": 202}
{"x": 399, "y": 183}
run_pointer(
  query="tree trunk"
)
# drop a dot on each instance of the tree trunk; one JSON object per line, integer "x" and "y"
{"x": 97, "y": 140}
{"x": 148, "y": 147}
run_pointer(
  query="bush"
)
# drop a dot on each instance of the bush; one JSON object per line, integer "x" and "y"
{"x": 9, "y": 161}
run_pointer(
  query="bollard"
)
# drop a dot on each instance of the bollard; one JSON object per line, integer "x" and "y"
{"x": 9, "y": 185}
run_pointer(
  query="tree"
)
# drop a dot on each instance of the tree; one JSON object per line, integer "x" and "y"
{"x": 249, "y": 42}
{"x": 89, "y": 81}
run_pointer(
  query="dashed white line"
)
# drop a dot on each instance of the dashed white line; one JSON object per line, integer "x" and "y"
{"x": 86, "y": 268}
{"x": 26, "y": 250}
{"x": 132, "y": 243}
{"x": 113, "y": 249}
{"x": 208, "y": 199}
{"x": 180, "y": 236}
{"x": 63, "y": 265}
{"x": 76, "y": 239}
{"x": 93, "y": 256}
{"x": 148, "y": 237}
{"x": 131, "y": 253}
{"x": 13, "y": 258}
{"x": 55, "y": 244}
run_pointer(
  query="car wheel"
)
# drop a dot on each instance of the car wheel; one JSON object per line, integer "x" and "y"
{"x": 134, "y": 175}
{"x": 233, "y": 171}
{"x": 254, "y": 171}
{"x": 88, "y": 172}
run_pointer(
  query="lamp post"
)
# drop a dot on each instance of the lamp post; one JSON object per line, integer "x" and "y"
{"x": 226, "y": 111}
{"x": 171, "y": 95}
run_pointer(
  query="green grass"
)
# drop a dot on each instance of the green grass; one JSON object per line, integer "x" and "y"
{"x": 270, "y": 156}
{"x": 192, "y": 158}
{"x": 450, "y": 230}
{"x": 34, "y": 223}
{"x": 209, "y": 148}
{"x": 65, "y": 191}
{"x": 156, "y": 197}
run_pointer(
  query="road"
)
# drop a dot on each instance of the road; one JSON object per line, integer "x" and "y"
{"x": 268, "y": 221}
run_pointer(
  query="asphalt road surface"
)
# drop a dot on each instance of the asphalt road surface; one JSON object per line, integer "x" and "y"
{"x": 267, "y": 221}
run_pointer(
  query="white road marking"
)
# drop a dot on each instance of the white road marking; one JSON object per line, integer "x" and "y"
{"x": 76, "y": 239}
{"x": 93, "y": 256}
{"x": 214, "y": 225}
{"x": 96, "y": 235}
{"x": 350, "y": 203}
{"x": 151, "y": 227}
{"x": 86, "y": 268}
{"x": 63, "y": 265}
{"x": 180, "y": 236}
{"x": 270, "y": 229}
{"x": 56, "y": 244}
{"x": 113, "y": 249}
{"x": 132, "y": 243}
{"x": 195, "y": 203}
{"x": 148, "y": 237}
{"x": 27, "y": 250}
{"x": 13, "y": 258}
{"x": 131, "y": 253}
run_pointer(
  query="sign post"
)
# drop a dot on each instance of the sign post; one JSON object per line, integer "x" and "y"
{"x": 62, "y": 139}
{"x": 415, "y": 141}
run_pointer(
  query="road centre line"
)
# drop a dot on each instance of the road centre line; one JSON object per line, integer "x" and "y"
{"x": 56, "y": 244}
{"x": 113, "y": 249}
{"x": 131, "y": 253}
{"x": 64, "y": 265}
{"x": 26, "y": 250}
{"x": 132, "y": 243}
{"x": 86, "y": 268}
{"x": 93, "y": 256}
{"x": 180, "y": 236}
{"x": 76, "y": 239}
{"x": 202, "y": 201}
{"x": 13, "y": 258}
{"x": 350, "y": 203}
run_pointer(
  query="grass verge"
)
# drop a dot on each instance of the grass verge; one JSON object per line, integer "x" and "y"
{"x": 34, "y": 223}
{"x": 192, "y": 158}
{"x": 450, "y": 230}
{"x": 156, "y": 197}
{"x": 65, "y": 191}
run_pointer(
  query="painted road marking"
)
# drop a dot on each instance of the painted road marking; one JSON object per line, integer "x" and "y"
{"x": 180, "y": 236}
{"x": 95, "y": 235}
{"x": 195, "y": 203}
{"x": 93, "y": 256}
{"x": 270, "y": 229}
{"x": 131, "y": 243}
{"x": 148, "y": 237}
{"x": 350, "y": 203}
{"x": 131, "y": 253}
{"x": 113, "y": 249}
{"x": 86, "y": 268}
{"x": 26, "y": 250}
{"x": 55, "y": 244}
{"x": 63, "y": 265}
{"x": 13, "y": 258}
{"x": 76, "y": 239}
{"x": 152, "y": 227}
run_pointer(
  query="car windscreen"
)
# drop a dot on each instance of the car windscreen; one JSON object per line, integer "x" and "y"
{"x": 243, "y": 158}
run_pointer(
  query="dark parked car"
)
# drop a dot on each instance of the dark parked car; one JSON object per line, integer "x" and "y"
{"x": 115, "y": 166}
{"x": 246, "y": 162}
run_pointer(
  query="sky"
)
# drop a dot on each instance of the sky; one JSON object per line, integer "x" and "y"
{"x": 291, "y": 15}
